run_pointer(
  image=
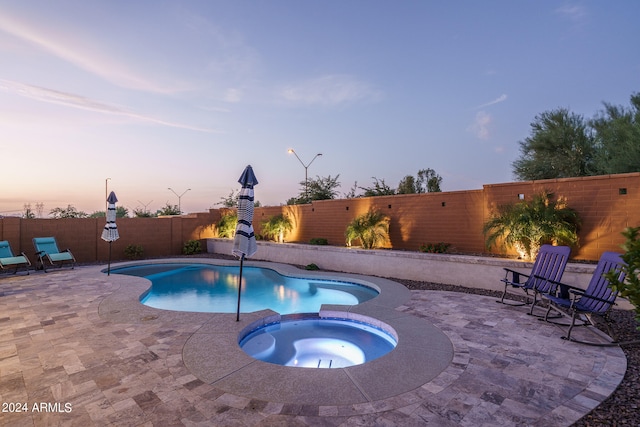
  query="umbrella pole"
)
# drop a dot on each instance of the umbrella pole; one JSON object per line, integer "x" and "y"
{"x": 109, "y": 265}
{"x": 239, "y": 288}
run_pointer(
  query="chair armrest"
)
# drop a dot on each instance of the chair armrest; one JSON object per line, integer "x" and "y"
{"x": 515, "y": 276}
{"x": 580, "y": 292}
{"x": 566, "y": 289}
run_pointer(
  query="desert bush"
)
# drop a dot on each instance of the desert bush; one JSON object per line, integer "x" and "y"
{"x": 133, "y": 251}
{"x": 435, "y": 248}
{"x": 192, "y": 247}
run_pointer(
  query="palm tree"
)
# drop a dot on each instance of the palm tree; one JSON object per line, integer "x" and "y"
{"x": 227, "y": 225}
{"x": 372, "y": 229}
{"x": 277, "y": 227}
{"x": 526, "y": 226}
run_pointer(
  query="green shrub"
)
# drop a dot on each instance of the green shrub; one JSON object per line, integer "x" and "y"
{"x": 192, "y": 247}
{"x": 133, "y": 251}
{"x": 435, "y": 248}
{"x": 630, "y": 287}
{"x": 311, "y": 266}
{"x": 318, "y": 241}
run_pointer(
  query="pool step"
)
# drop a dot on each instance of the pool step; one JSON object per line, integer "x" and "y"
{"x": 325, "y": 364}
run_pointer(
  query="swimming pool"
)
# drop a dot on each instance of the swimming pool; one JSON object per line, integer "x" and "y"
{"x": 214, "y": 289}
{"x": 315, "y": 342}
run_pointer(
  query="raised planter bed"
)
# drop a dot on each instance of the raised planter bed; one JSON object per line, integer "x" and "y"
{"x": 466, "y": 270}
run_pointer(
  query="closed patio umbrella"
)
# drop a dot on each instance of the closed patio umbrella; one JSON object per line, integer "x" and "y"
{"x": 244, "y": 242}
{"x": 110, "y": 231}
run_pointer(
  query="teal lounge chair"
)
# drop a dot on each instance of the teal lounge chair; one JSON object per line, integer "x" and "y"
{"x": 47, "y": 252}
{"x": 9, "y": 260}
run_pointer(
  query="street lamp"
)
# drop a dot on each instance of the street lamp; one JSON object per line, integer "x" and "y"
{"x": 179, "y": 198}
{"x": 306, "y": 170}
{"x": 145, "y": 206}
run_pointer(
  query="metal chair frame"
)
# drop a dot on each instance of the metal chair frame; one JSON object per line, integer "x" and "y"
{"x": 547, "y": 269}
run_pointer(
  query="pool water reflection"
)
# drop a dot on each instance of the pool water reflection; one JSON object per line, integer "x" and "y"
{"x": 212, "y": 288}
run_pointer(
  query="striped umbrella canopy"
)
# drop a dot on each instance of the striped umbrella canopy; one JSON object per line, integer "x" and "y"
{"x": 244, "y": 242}
{"x": 110, "y": 231}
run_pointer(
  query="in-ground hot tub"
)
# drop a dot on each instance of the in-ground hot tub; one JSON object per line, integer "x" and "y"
{"x": 311, "y": 341}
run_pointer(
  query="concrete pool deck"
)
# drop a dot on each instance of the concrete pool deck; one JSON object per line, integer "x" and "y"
{"x": 80, "y": 337}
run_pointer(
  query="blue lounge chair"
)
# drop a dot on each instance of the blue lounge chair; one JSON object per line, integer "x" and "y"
{"x": 9, "y": 260}
{"x": 547, "y": 269}
{"x": 47, "y": 252}
{"x": 581, "y": 304}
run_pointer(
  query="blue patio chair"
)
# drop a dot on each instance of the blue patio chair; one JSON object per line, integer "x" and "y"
{"x": 47, "y": 252}
{"x": 581, "y": 304}
{"x": 9, "y": 260}
{"x": 547, "y": 269}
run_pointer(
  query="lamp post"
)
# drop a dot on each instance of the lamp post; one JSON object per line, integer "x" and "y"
{"x": 179, "y": 198}
{"x": 145, "y": 206}
{"x": 306, "y": 170}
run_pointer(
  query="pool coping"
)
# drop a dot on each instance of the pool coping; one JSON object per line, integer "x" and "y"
{"x": 212, "y": 353}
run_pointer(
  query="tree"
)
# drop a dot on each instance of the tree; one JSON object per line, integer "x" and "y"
{"x": 121, "y": 212}
{"x": 429, "y": 181}
{"x": 380, "y": 188}
{"x": 617, "y": 133}
{"x": 528, "y": 225}
{"x": 143, "y": 213}
{"x": 28, "y": 212}
{"x": 372, "y": 229}
{"x": 230, "y": 201}
{"x": 169, "y": 209}
{"x": 352, "y": 192}
{"x": 560, "y": 146}
{"x": 68, "y": 212}
{"x": 407, "y": 185}
{"x": 426, "y": 181}
{"x": 316, "y": 189}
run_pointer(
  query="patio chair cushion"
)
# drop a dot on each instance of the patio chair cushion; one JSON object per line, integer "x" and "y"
{"x": 13, "y": 260}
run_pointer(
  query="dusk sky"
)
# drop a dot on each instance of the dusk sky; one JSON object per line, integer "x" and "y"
{"x": 184, "y": 94}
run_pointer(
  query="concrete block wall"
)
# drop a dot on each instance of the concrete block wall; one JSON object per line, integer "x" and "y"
{"x": 158, "y": 237}
{"x": 606, "y": 204}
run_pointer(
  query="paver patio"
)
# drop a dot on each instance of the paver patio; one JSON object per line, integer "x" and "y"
{"x": 78, "y": 349}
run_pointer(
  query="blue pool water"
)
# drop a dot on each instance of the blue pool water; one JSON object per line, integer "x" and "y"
{"x": 317, "y": 343}
{"x": 214, "y": 289}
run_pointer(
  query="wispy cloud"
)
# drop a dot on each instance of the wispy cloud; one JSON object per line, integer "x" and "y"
{"x": 331, "y": 90}
{"x": 575, "y": 13}
{"x": 498, "y": 100}
{"x": 76, "y": 50}
{"x": 75, "y": 101}
{"x": 480, "y": 126}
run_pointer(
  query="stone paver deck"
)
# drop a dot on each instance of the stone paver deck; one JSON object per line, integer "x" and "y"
{"x": 76, "y": 348}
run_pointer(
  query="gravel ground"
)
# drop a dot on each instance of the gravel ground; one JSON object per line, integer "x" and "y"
{"x": 621, "y": 408}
